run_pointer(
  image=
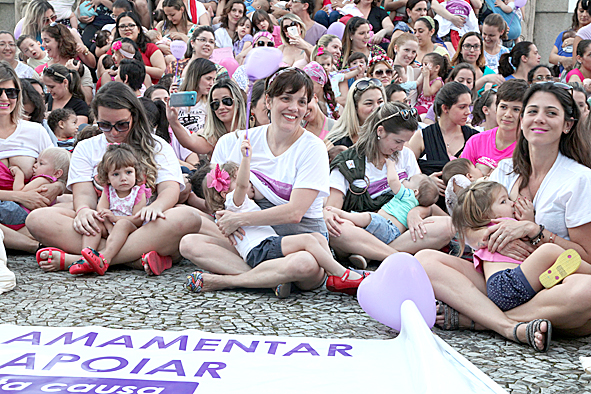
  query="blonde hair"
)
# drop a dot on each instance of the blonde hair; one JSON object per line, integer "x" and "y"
{"x": 348, "y": 123}
{"x": 213, "y": 198}
{"x": 61, "y": 160}
{"x": 119, "y": 156}
{"x": 214, "y": 127}
{"x": 7, "y": 73}
{"x": 296, "y": 19}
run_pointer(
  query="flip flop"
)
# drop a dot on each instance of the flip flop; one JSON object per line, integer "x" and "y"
{"x": 96, "y": 260}
{"x": 81, "y": 267}
{"x": 567, "y": 263}
{"x": 50, "y": 250}
{"x": 530, "y": 331}
{"x": 156, "y": 262}
{"x": 194, "y": 282}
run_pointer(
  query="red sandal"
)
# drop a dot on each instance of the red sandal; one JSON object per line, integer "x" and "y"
{"x": 81, "y": 267}
{"x": 344, "y": 284}
{"x": 50, "y": 250}
{"x": 156, "y": 262}
{"x": 96, "y": 260}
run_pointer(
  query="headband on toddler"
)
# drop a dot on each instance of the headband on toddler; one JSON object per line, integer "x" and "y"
{"x": 218, "y": 179}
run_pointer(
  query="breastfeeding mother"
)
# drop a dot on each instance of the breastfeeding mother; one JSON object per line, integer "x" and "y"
{"x": 289, "y": 168}
{"x": 122, "y": 119}
{"x": 550, "y": 167}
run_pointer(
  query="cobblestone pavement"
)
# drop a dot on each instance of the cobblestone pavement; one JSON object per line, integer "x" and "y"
{"x": 125, "y": 298}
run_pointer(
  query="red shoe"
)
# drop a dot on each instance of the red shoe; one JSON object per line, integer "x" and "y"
{"x": 344, "y": 284}
{"x": 96, "y": 260}
{"x": 156, "y": 262}
{"x": 81, "y": 267}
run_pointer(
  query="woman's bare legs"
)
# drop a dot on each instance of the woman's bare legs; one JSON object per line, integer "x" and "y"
{"x": 213, "y": 254}
{"x": 439, "y": 233}
{"x": 19, "y": 240}
{"x": 456, "y": 282}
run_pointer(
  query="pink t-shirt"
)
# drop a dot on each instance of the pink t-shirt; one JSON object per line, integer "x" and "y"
{"x": 484, "y": 255}
{"x": 482, "y": 149}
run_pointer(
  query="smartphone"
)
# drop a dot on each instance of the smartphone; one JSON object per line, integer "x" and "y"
{"x": 183, "y": 99}
{"x": 293, "y": 31}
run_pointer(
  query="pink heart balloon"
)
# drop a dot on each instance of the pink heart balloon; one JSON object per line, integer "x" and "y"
{"x": 400, "y": 277}
{"x": 178, "y": 49}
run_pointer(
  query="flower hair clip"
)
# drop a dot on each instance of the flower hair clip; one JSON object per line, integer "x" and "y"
{"x": 116, "y": 45}
{"x": 218, "y": 179}
{"x": 320, "y": 51}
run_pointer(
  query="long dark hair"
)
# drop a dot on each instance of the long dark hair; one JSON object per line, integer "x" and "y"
{"x": 509, "y": 62}
{"x": 227, "y": 9}
{"x": 142, "y": 40}
{"x": 584, "y": 5}
{"x": 350, "y": 28}
{"x": 448, "y": 95}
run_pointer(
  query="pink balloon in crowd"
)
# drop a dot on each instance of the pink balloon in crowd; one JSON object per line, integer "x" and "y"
{"x": 337, "y": 29}
{"x": 178, "y": 49}
{"x": 230, "y": 64}
{"x": 262, "y": 62}
{"x": 520, "y": 3}
{"x": 400, "y": 277}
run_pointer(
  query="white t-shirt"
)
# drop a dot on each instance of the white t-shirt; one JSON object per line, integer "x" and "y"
{"x": 200, "y": 10}
{"x": 562, "y": 199}
{"x": 223, "y": 39}
{"x": 89, "y": 153}
{"x": 303, "y": 166}
{"x": 24, "y": 71}
{"x": 406, "y": 165}
{"x": 29, "y": 139}
{"x": 253, "y": 235}
{"x": 193, "y": 118}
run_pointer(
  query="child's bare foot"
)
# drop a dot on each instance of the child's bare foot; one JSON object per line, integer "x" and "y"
{"x": 55, "y": 260}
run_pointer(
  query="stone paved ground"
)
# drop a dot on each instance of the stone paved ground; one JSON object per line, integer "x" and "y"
{"x": 129, "y": 299}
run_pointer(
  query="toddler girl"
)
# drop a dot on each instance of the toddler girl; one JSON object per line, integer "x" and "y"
{"x": 124, "y": 194}
{"x": 243, "y": 35}
{"x": 261, "y": 21}
{"x": 229, "y": 188}
{"x": 435, "y": 68}
{"x": 510, "y": 282}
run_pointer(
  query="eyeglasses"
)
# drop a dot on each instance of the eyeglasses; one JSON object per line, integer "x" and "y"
{"x": 387, "y": 71}
{"x": 51, "y": 71}
{"x": 106, "y": 127}
{"x": 227, "y": 101}
{"x": 537, "y": 78}
{"x": 263, "y": 43}
{"x": 127, "y": 27}
{"x": 365, "y": 84}
{"x": 292, "y": 24}
{"x": 204, "y": 40}
{"x": 11, "y": 93}
{"x": 468, "y": 47}
{"x": 9, "y": 44}
{"x": 559, "y": 85}
{"x": 52, "y": 18}
{"x": 405, "y": 114}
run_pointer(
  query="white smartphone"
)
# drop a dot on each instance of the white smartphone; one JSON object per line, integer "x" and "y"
{"x": 293, "y": 31}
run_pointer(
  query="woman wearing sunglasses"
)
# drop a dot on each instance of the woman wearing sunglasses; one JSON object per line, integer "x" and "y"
{"x": 551, "y": 163}
{"x": 21, "y": 143}
{"x": 64, "y": 86}
{"x": 294, "y": 48}
{"x": 122, "y": 119}
{"x": 358, "y": 182}
{"x": 382, "y": 68}
{"x": 36, "y": 15}
{"x": 226, "y": 112}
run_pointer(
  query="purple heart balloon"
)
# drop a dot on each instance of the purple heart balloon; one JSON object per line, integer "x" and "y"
{"x": 178, "y": 49}
{"x": 336, "y": 29}
{"x": 400, "y": 277}
{"x": 262, "y": 62}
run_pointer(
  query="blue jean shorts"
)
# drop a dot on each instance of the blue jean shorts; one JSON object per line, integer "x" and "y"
{"x": 509, "y": 288}
{"x": 11, "y": 213}
{"x": 382, "y": 228}
{"x": 268, "y": 249}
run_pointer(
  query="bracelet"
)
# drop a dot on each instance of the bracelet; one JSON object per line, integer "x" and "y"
{"x": 79, "y": 209}
{"x": 536, "y": 240}
{"x": 551, "y": 239}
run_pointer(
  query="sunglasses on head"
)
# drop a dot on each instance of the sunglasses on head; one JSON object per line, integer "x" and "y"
{"x": 51, "y": 71}
{"x": 263, "y": 43}
{"x": 106, "y": 127}
{"x": 559, "y": 85}
{"x": 487, "y": 93}
{"x": 365, "y": 84}
{"x": 227, "y": 101}
{"x": 387, "y": 71}
{"x": 11, "y": 93}
{"x": 405, "y": 114}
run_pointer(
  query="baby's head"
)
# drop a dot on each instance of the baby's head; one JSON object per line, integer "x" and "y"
{"x": 261, "y": 5}
{"x": 154, "y": 36}
{"x": 460, "y": 167}
{"x": 119, "y": 168}
{"x": 322, "y": 57}
{"x": 30, "y": 47}
{"x": 102, "y": 38}
{"x": 401, "y": 71}
{"x": 425, "y": 189}
{"x": 218, "y": 182}
{"x": 569, "y": 34}
{"x": 54, "y": 162}
{"x": 63, "y": 122}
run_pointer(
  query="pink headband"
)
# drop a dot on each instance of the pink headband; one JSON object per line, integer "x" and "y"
{"x": 218, "y": 179}
{"x": 260, "y": 34}
{"x": 316, "y": 72}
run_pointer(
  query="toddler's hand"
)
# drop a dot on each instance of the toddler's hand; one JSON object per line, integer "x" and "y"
{"x": 524, "y": 209}
{"x": 15, "y": 171}
{"x": 245, "y": 148}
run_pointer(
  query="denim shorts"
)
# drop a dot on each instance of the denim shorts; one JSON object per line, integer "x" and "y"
{"x": 11, "y": 213}
{"x": 382, "y": 228}
{"x": 268, "y": 249}
{"x": 509, "y": 288}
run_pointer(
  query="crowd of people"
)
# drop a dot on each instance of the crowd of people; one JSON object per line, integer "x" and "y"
{"x": 395, "y": 126}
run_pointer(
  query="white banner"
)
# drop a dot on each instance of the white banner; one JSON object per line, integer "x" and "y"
{"x": 102, "y": 360}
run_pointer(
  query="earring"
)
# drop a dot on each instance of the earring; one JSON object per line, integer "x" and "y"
{"x": 379, "y": 138}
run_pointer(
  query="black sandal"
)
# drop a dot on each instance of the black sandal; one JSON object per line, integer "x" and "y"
{"x": 451, "y": 318}
{"x": 530, "y": 334}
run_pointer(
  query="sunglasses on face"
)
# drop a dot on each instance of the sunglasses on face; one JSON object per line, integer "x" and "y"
{"x": 285, "y": 27}
{"x": 52, "y": 18}
{"x": 227, "y": 101}
{"x": 387, "y": 71}
{"x": 263, "y": 43}
{"x": 365, "y": 84}
{"x": 11, "y": 93}
{"x": 120, "y": 126}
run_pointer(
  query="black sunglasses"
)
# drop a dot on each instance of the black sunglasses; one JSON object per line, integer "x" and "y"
{"x": 263, "y": 43}
{"x": 51, "y": 71}
{"x": 387, "y": 71}
{"x": 120, "y": 126}
{"x": 285, "y": 27}
{"x": 11, "y": 93}
{"x": 227, "y": 101}
{"x": 405, "y": 114}
{"x": 365, "y": 84}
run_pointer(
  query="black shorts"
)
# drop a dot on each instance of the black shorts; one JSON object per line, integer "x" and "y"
{"x": 268, "y": 249}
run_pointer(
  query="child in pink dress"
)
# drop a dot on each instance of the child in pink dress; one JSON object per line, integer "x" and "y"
{"x": 435, "y": 68}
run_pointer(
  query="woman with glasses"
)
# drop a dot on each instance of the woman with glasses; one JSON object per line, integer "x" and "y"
{"x": 65, "y": 91}
{"x": 540, "y": 73}
{"x": 122, "y": 119}
{"x": 294, "y": 48}
{"x": 551, "y": 169}
{"x": 128, "y": 25}
{"x": 8, "y": 54}
{"x": 356, "y": 39}
{"x": 226, "y": 113}
{"x": 382, "y": 68}
{"x": 516, "y": 64}
{"x": 358, "y": 182}
{"x": 470, "y": 50}
{"x": 232, "y": 13}
{"x": 21, "y": 142}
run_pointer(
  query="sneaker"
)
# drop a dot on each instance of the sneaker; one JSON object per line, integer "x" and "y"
{"x": 283, "y": 290}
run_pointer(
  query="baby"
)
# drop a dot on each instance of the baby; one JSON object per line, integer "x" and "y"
{"x": 457, "y": 175}
{"x": 64, "y": 124}
{"x": 568, "y": 39}
{"x": 36, "y": 56}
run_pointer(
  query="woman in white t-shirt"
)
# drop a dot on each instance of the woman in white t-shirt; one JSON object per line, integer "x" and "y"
{"x": 224, "y": 34}
{"x": 550, "y": 167}
{"x": 289, "y": 168}
{"x": 121, "y": 117}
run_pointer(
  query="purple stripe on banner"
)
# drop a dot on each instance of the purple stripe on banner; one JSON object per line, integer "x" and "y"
{"x": 281, "y": 190}
{"x": 378, "y": 186}
{"x": 403, "y": 175}
{"x": 42, "y": 384}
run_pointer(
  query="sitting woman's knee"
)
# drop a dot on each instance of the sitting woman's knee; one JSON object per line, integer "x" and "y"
{"x": 550, "y": 249}
{"x": 321, "y": 239}
{"x": 302, "y": 264}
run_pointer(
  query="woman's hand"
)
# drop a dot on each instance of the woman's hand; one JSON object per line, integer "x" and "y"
{"x": 33, "y": 199}
{"x": 228, "y": 223}
{"x": 505, "y": 231}
{"x": 85, "y": 222}
{"x": 172, "y": 113}
{"x": 150, "y": 213}
{"x": 495, "y": 79}
{"x": 175, "y": 35}
{"x": 517, "y": 249}
{"x": 436, "y": 176}
{"x": 458, "y": 21}
{"x": 378, "y": 37}
{"x": 298, "y": 42}
{"x": 416, "y": 224}
{"x": 333, "y": 221}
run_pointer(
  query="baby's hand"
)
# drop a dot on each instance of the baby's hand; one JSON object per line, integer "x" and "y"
{"x": 245, "y": 148}
{"x": 15, "y": 171}
{"x": 524, "y": 209}
{"x": 498, "y": 3}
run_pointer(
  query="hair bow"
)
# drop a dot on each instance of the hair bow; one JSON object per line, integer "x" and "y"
{"x": 320, "y": 51}
{"x": 116, "y": 45}
{"x": 218, "y": 179}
